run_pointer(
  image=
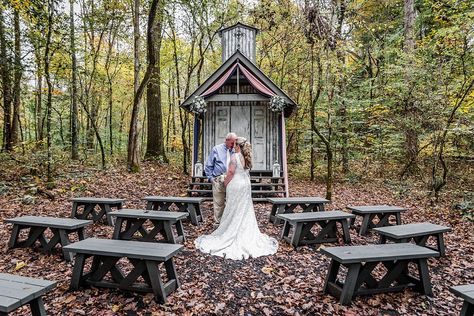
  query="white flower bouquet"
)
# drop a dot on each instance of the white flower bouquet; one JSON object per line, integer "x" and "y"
{"x": 277, "y": 103}
{"x": 198, "y": 105}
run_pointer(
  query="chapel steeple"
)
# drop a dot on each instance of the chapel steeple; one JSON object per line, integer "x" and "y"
{"x": 239, "y": 37}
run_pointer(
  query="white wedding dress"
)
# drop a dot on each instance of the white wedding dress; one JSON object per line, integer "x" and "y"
{"x": 238, "y": 236}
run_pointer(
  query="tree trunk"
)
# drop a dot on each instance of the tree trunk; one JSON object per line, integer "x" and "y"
{"x": 155, "y": 141}
{"x": 6, "y": 87}
{"x": 39, "y": 98}
{"x": 74, "y": 110}
{"x": 409, "y": 113}
{"x": 17, "y": 74}
{"x": 133, "y": 162}
{"x": 47, "y": 59}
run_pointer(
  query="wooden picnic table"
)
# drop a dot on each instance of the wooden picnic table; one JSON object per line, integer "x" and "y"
{"x": 144, "y": 256}
{"x": 360, "y": 261}
{"x": 89, "y": 203}
{"x": 16, "y": 291}
{"x": 37, "y": 225}
{"x": 370, "y": 212}
{"x": 191, "y": 205}
{"x": 288, "y": 205}
{"x": 466, "y": 292}
{"x": 302, "y": 224}
{"x": 419, "y": 232}
{"x": 130, "y": 221}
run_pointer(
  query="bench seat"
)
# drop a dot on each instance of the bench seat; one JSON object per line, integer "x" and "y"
{"x": 132, "y": 221}
{"x": 37, "y": 225}
{"x": 143, "y": 256}
{"x": 419, "y": 232}
{"x": 360, "y": 261}
{"x": 466, "y": 292}
{"x": 16, "y": 291}
{"x": 302, "y": 223}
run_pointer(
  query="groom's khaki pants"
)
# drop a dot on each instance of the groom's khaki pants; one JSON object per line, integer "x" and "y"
{"x": 218, "y": 198}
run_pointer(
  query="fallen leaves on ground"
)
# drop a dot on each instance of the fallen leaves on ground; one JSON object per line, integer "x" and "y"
{"x": 287, "y": 283}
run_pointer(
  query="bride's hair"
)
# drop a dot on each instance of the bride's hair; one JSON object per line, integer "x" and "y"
{"x": 246, "y": 149}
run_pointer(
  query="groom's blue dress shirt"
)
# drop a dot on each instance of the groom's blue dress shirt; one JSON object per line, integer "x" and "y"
{"x": 216, "y": 163}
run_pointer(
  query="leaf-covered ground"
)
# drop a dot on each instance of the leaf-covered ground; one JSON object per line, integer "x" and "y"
{"x": 288, "y": 283}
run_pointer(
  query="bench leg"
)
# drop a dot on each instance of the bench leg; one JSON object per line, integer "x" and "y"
{"x": 192, "y": 214}
{"x": 169, "y": 236}
{"x": 382, "y": 239}
{"x": 37, "y": 307}
{"x": 296, "y": 238}
{"x": 399, "y": 218}
{"x": 350, "y": 284}
{"x": 425, "y": 284}
{"x": 14, "y": 236}
{"x": 110, "y": 219}
{"x": 149, "y": 205}
{"x": 365, "y": 224}
{"x": 64, "y": 242}
{"x": 180, "y": 230}
{"x": 345, "y": 231}
{"x": 467, "y": 309}
{"x": 286, "y": 230}
{"x": 441, "y": 248}
{"x": 171, "y": 272}
{"x": 77, "y": 271}
{"x": 156, "y": 282}
{"x": 74, "y": 210}
{"x": 332, "y": 275}
{"x": 118, "y": 228}
{"x": 271, "y": 218}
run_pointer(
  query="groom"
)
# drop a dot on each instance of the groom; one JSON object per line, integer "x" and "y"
{"x": 216, "y": 168}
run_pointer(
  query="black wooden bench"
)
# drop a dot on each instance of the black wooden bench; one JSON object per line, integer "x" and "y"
{"x": 371, "y": 212}
{"x": 37, "y": 225}
{"x": 360, "y": 261}
{"x": 191, "y": 205}
{"x": 88, "y": 204}
{"x": 144, "y": 256}
{"x": 288, "y": 205}
{"x": 303, "y": 222}
{"x": 130, "y": 221}
{"x": 419, "y": 232}
{"x": 16, "y": 291}
{"x": 467, "y": 293}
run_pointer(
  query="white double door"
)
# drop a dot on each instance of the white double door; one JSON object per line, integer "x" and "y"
{"x": 249, "y": 121}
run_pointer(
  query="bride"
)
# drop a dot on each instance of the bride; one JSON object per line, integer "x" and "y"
{"x": 238, "y": 236}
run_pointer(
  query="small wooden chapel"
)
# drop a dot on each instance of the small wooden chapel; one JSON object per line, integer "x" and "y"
{"x": 238, "y": 97}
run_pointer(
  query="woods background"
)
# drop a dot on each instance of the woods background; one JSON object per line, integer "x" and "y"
{"x": 384, "y": 88}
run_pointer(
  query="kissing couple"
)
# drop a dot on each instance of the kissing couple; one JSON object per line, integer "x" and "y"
{"x": 237, "y": 236}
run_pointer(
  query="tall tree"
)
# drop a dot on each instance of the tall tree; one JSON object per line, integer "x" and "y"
{"x": 133, "y": 158}
{"x": 409, "y": 107}
{"x": 155, "y": 141}
{"x": 133, "y": 161}
{"x": 49, "y": 102}
{"x": 6, "y": 86}
{"x": 17, "y": 74}
{"x": 74, "y": 110}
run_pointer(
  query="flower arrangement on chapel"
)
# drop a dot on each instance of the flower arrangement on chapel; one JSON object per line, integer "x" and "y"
{"x": 277, "y": 103}
{"x": 198, "y": 105}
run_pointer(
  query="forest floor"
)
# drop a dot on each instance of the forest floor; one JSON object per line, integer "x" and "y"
{"x": 287, "y": 283}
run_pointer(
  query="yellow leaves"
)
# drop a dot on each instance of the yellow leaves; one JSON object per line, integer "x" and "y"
{"x": 19, "y": 265}
{"x": 267, "y": 270}
{"x": 115, "y": 308}
{"x": 70, "y": 299}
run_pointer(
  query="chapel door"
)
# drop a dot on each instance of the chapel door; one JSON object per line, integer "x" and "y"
{"x": 223, "y": 119}
{"x": 258, "y": 138}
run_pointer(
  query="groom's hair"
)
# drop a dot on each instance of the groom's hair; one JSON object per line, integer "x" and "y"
{"x": 231, "y": 135}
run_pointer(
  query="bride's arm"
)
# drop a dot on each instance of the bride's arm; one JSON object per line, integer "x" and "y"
{"x": 230, "y": 171}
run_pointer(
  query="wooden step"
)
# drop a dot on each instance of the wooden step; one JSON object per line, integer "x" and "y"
{"x": 251, "y": 178}
{"x": 207, "y": 184}
{"x": 260, "y": 192}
